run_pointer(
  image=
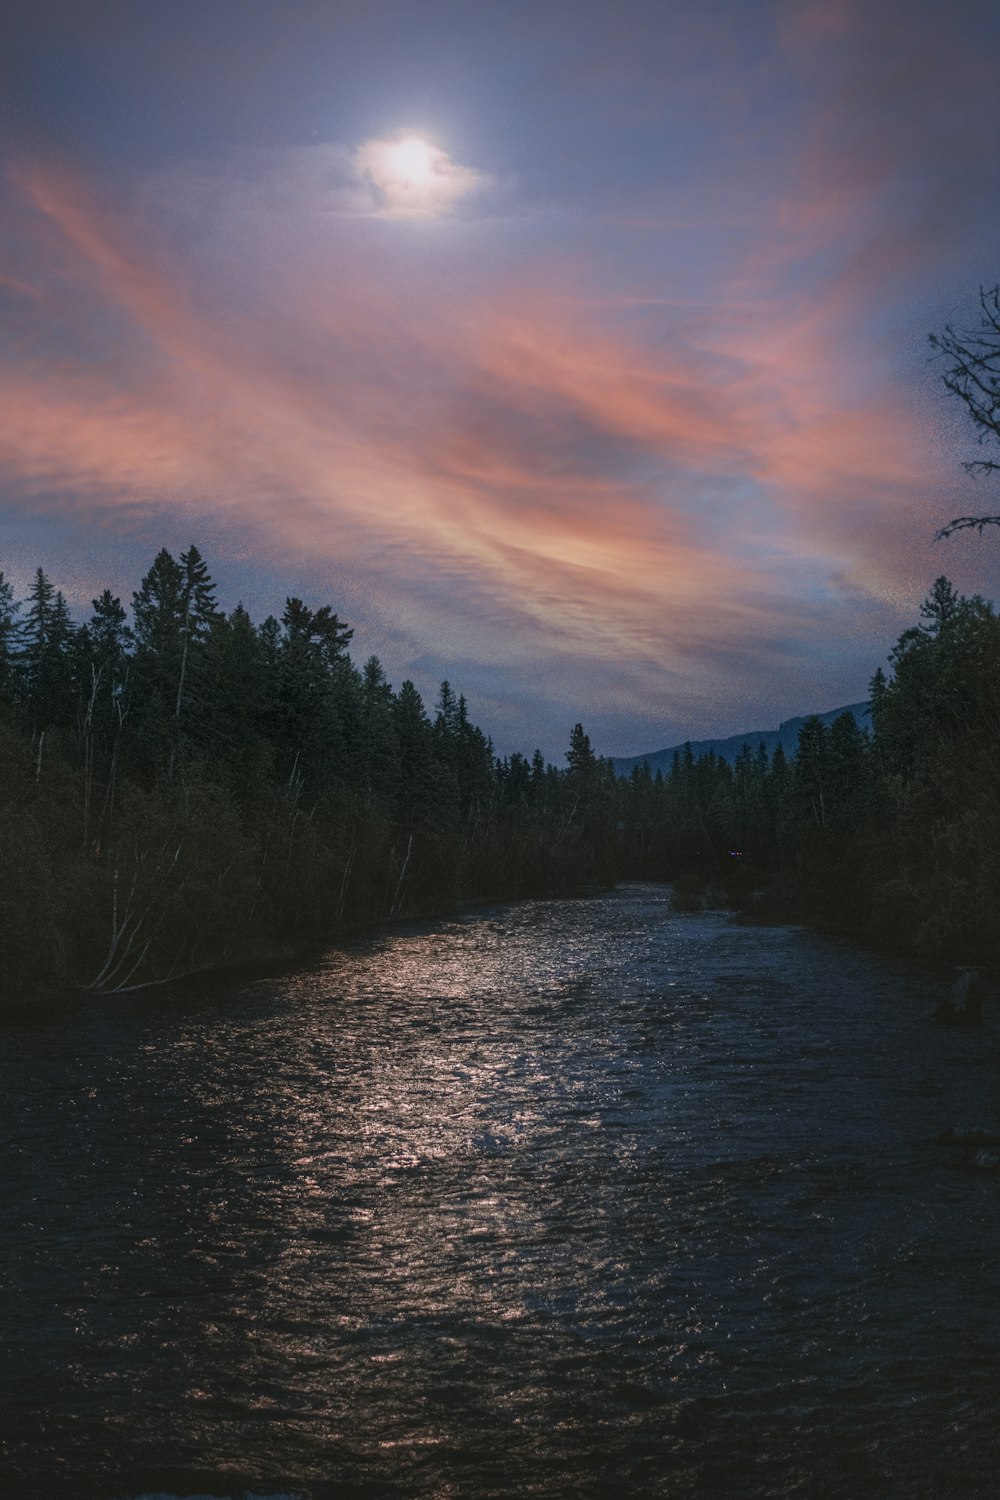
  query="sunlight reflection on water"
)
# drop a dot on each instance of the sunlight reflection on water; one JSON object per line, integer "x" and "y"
{"x": 558, "y": 1198}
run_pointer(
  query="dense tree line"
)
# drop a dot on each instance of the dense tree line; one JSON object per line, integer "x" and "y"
{"x": 891, "y": 830}
{"x": 182, "y": 788}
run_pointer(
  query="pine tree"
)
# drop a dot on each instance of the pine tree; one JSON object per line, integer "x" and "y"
{"x": 848, "y": 748}
{"x": 111, "y": 642}
{"x": 158, "y": 613}
{"x": 580, "y": 756}
{"x": 316, "y": 712}
{"x": 446, "y": 723}
{"x": 198, "y": 614}
{"x": 812, "y": 768}
{"x": 940, "y": 607}
{"x": 174, "y": 611}
{"x": 45, "y": 658}
{"x": 538, "y": 780}
{"x": 380, "y": 745}
{"x": 232, "y": 688}
{"x": 100, "y": 667}
{"x": 158, "y": 608}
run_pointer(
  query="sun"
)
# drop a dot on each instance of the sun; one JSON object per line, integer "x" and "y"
{"x": 411, "y": 161}
{"x": 413, "y": 178}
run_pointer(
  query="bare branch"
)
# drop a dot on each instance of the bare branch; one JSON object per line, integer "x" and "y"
{"x": 974, "y": 377}
{"x": 967, "y": 523}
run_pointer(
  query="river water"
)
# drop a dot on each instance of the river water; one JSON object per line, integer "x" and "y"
{"x": 557, "y": 1199}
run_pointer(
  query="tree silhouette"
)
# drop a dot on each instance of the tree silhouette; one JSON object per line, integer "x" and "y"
{"x": 974, "y": 377}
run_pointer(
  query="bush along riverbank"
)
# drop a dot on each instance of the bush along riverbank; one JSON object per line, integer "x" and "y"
{"x": 182, "y": 789}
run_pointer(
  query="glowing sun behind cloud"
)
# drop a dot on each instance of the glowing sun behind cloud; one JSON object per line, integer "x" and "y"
{"x": 412, "y": 177}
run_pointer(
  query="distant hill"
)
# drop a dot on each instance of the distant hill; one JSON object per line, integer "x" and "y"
{"x": 787, "y": 736}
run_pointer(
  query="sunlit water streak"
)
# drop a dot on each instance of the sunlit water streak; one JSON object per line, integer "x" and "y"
{"x": 559, "y": 1199}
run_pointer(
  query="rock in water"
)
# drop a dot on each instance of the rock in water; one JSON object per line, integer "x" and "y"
{"x": 964, "y": 1005}
{"x": 983, "y": 1160}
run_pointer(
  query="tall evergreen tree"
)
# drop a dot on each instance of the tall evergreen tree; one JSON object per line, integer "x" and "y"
{"x": 174, "y": 611}
{"x": 45, "y": 656}
{"x": 940, "y": 607}
{"x": 812, "y": 772}
{"x": 198, "y": 614}
{"x": 158, "y": 610}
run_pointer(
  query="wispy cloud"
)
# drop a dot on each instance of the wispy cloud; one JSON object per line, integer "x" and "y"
{"x": 544, "y": 468}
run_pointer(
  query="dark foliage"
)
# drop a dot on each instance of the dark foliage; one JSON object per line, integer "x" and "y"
{"x": 892, "y": 832}
{"x": 194, "y": 790}
{"x": 190, "y": 790}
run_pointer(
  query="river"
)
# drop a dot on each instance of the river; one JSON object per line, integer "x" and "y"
{"x": 569, "y": 1198}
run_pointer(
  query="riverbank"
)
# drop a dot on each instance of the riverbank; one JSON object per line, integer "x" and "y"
{"x": 268, "y": 958}
{"x": 836, "y": 907}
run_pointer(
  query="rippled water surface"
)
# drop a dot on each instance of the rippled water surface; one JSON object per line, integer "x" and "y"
{"x": 559, "y": 1199}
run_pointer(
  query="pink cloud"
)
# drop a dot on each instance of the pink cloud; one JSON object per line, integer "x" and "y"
{"x": 507, "y": 448}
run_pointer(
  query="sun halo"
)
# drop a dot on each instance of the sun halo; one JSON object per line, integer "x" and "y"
{"x": 411, "y": 161}
{"x": 412, "y": 177}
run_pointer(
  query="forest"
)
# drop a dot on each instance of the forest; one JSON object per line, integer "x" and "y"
{"x": 183, "y": 789}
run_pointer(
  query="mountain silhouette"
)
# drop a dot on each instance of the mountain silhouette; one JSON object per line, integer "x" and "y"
{"x": 786, "y": 735}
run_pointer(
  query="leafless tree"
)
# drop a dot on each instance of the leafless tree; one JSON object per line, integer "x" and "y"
{"x": 974, "y": 377}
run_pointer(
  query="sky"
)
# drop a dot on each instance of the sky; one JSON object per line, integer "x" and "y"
{"x": 574, "y": 352}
